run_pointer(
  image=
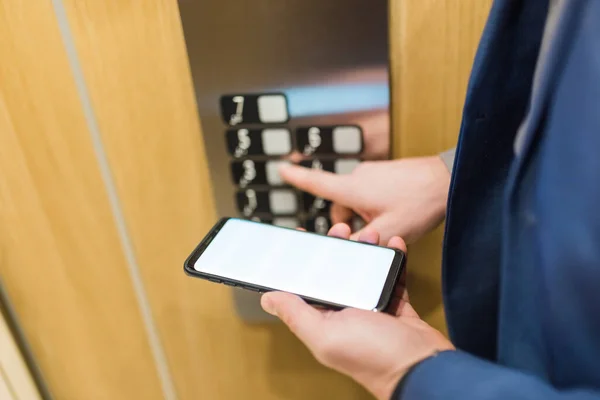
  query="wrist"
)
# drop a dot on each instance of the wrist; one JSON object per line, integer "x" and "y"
{"x": 394, "y": 383}
{"x": 396, "y": 393}
{"x": 441, "y": 185}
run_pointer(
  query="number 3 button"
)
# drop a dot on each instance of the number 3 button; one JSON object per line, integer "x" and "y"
{"x": 251, "y": 172}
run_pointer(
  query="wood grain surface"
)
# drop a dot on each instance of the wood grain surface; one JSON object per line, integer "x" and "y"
{"x": 433, "y": 45}
{"x": 61, "y": 261}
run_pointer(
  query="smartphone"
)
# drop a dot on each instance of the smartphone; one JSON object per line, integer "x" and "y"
{"x": 325, "y": 271}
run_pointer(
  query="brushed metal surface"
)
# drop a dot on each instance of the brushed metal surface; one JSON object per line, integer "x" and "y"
{"x": 329, "y": 57}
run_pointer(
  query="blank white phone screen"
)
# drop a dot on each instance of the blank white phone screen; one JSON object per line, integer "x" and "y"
{"x": 328, "y": 269}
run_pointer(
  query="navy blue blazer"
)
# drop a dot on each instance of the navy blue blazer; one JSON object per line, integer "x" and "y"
{"x": 522, "y": 245}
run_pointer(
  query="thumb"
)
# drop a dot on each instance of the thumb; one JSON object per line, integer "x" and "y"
{"x": 302, "y": 319}
{"x": 317, "y": 182}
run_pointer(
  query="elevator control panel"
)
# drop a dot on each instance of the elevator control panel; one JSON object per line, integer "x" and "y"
{"x": 302, "y": 82}
{"x": 259, "y": 143}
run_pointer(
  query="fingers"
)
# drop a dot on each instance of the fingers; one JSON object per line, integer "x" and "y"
{"x": 401, "y": 304}
{"x": 317, "y": 182}
{"x": 302, "y": 319}
{"x": 369, "y": 235}
{"x": 341, "y": 231}
{"x": 396, "y": 242}
{"x": 339, "y": 213}
{"x": 383, "y": 224}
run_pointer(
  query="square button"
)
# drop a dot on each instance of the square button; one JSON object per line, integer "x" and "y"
{"x": 272, "y": 108}
{"x": 347, "y": 140}
{"x": 272, "y": 172}
{"x": 276, "y": 142}
{"x": 283, "y": 202}
{"x": 345, "y": 166}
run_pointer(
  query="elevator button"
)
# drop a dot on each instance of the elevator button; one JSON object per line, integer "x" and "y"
{"x": 275, "y": 201}
{"x": 345, "y": 166}
{"x": 347, "y": 140}
{"x": 252, "y": 172}
{"x": 276, "y": 141}
{"x": 272, "y": 108}
{"x": 323, "y": 140}
{"x": 267, "y": 108}
{"x": 253, "y": 142}
{"x": 283, "y": 201}
{"x": 272, "y": 172}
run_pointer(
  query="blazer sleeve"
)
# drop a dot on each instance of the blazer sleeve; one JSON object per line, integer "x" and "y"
{"x": 456, "y": 375}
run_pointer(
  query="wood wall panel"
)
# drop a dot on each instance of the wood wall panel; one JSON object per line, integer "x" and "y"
{"x": 61, "y": 261}
{"x": 433, "y": 45}
{"x": 135, "y": 63}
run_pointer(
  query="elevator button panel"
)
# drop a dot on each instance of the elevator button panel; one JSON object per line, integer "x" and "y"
{"x": 258, "y": 150}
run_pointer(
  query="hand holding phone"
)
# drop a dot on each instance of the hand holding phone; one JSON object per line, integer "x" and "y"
{"x": 326, "y": 271}
{"x": 375, "y": 349}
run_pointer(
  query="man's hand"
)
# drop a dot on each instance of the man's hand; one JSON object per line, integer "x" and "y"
{"x": 405, "y": 197}
{"x": 375, "y": 349}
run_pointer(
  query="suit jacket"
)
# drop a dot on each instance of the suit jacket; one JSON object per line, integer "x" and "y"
{"x": 522, "y": 246}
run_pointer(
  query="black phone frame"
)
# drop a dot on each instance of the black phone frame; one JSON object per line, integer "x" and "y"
{"x": 394, "y": 274}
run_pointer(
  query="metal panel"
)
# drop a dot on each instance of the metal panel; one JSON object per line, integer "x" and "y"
{"x": 329, "y": 59}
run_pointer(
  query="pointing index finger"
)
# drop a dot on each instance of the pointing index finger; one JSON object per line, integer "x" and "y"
{"x": 320, "y": 183}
